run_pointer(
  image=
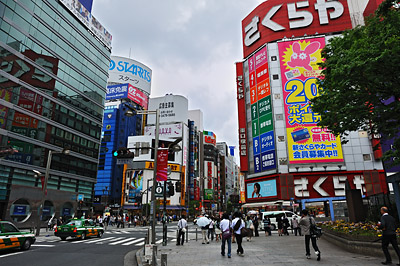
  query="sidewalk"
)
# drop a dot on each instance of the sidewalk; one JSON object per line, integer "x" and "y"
{"x": 272, "y": 250}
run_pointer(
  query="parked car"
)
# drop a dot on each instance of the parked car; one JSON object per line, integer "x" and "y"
{"x": 78, "y": 228}
{"x": 274, "y": 214}
{"x": 11, "y": 237}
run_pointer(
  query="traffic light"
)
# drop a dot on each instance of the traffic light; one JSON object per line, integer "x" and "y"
{"x": 178, "y": 186}
{"x": 123, "y": 153}
{"x": 171, "y": 190}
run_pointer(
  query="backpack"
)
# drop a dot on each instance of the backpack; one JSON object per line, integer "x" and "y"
{"x": 315, "y": 231}
{"x": 237, "y": 225}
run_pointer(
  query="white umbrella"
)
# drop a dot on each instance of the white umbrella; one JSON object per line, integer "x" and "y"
{"x": 252, "y": 212}
{"x": 203, "y": 221}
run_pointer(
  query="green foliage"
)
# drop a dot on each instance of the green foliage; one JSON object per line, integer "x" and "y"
{"x": 360, "y": 74}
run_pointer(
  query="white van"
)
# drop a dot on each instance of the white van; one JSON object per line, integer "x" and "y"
{"x": 273, "y": 214}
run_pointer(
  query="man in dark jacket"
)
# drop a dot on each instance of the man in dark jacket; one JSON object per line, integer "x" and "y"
{"x": 388, "y": 226}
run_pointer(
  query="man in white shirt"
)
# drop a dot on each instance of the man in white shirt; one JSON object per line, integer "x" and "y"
{"x": 182, "y": 224}
{"x": 226, "y": 229}
{"x": 236, "y": 231}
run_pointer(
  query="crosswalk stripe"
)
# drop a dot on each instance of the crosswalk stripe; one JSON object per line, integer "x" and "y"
{"x": 133, "y": 242}
{"x": 41, "y": 245}
{"x": 140, "y": 244}
{"x": 81, "y": 241}
{"x": 121, "y": 241}
{"x": 159, "y": 241}
{"x": 103, "y": 239}
{"x": 116, "y": 239}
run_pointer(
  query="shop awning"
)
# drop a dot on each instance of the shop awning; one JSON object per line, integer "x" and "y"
{"x": 257, "y": 204}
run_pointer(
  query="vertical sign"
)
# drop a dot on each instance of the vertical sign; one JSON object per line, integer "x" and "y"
{"x": 307, "y": 143}
{"x": 162, "y": 164}
{"x": 242, "y": 118}
{"x": 261, "y": 112}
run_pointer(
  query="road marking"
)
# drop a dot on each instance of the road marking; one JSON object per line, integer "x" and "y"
{"x": 103, "y": 239}
{"x": 140, "y": 244}
{"x": 11, "y": 254}
{"x": 42, "y": 245}
{"x": 116, "y": 239}
{"x": 159, "y": 241}
{"x": 133, "y": 242}
{"x": 121, "y": 241}
{"x": 81, "y": 241}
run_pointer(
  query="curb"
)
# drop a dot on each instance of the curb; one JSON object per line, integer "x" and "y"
{"x": 138, "y": 255}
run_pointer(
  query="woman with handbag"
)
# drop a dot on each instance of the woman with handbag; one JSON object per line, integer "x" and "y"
{"x": 250, "y": 226}
{"x": 226, "y": 228}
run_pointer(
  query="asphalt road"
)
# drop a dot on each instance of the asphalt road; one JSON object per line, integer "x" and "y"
{"x": 108, "y": 250}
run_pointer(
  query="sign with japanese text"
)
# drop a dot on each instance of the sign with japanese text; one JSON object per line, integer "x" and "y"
{"x": 209, "y": 138}
{"x": 123, "y": 91}
{"x": 162, "y": 164}
{"x": 273, "y": 20}
{"x": 170, "y": 131}
{"x": 126, "y": 70}
{"x": 307, "y": 143}
{"x": 241, "y": 103}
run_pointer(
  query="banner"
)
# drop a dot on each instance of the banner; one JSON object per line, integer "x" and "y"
{"x": 162, "y": 164}
{"x": 307, "y": 143}
{"x": 135, "y": 181}
{"x": 261, "y": 189}
{"x": 241, "y": 103}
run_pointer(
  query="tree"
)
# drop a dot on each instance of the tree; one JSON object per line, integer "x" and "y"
{"x": 360, "y": 83}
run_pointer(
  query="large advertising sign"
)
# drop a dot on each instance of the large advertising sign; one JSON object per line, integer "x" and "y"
{"x": 307, "y": 143}
{"x": 173, "y": 108}
{"x": 134, "y": 179}
{"x": 122, "y": 91}
{"x": 84, "y": 16}
{"x": 273, "y": 20}
{"x": 162, "y": 164}
{"x": 261, "y": 189}
{"x": 261, "y": 112}
{"x": 167, "y": 131}
{"x": 241, "y": 103}
{"x": 126, "y": 70}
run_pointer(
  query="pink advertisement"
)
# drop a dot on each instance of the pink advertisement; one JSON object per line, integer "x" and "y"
{"x": 138, "y": 96}
{"x": 261, "y": 57}
{"x": 307, "y": 143}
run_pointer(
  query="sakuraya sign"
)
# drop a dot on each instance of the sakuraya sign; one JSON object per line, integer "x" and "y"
{"x": 290, "y": 18}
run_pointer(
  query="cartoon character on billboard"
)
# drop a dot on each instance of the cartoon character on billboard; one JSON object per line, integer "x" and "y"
{"x": 302, "y": 57}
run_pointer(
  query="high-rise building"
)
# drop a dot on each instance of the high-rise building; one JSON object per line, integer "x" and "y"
{"x": 54, "y": 60}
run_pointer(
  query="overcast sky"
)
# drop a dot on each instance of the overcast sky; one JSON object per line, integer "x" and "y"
{"x": 191, "y": 46}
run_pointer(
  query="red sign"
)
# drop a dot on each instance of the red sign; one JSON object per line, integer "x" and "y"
{"x": 162, "y": 164}
{"x": 244, "y": 167}
{"x": 138, "y": 96}
{"x": 273, "y": 20}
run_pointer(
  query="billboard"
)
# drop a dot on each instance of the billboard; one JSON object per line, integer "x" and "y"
{"x": 261, "y": 189}
{"x": 126, "y": 70}
{"x": 122, "y": 91}
{"x": 241, "y": 103}
{"x": 84, "y": 16}
{"x": 134, "y": 180}
{"x": 307, "y": 143}
{"x": 261, "y": 112}
{"x": 173, "y": 108}
{"x": 168, "y": 131}
{"x": 273, "y": 20}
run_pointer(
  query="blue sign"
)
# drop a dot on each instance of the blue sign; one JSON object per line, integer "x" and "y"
{"x": 118, "y": 91}
{"x": 80, "y": 197}
{"x": 66, "y": 211}
{"x": 257, "y": 164}
{"x": 87, "y": 4}
{"x": 46, "y": 210}
{"x": 256, "y": 145}
{"x": 268, "y": 160}
{"x": 267, "y": 141}
{"x": 19, "y": 210}
{"x": 261, "y": 189}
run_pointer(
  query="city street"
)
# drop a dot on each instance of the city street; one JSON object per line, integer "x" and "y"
{"x": 108, "y": 250}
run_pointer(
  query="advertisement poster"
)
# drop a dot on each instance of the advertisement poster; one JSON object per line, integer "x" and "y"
{"x": 261, "y": 112}
{"x": 162, "y": 164}
{"x": 208, "y": 194}
{"x": 307, "y": 143}
{"x": 135, "y": 181}
{"x": 261, "y": 189}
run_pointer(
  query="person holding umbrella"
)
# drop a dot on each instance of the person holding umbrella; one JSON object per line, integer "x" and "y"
{"x": 204, "y": 222}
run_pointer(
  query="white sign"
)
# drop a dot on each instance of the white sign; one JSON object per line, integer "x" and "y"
{"x": 89, "y": 21}
{"x": 170, "y": 131}
{"x": 173, "y": 109}
{"x": 125, "y": 70}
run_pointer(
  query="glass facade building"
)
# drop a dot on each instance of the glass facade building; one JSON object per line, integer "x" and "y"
{"x": 53, "y": 75}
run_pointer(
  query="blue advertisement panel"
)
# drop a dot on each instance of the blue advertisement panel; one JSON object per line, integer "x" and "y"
{"x": 261, "y": 189}
{"x": 19, "y": 210}
{"x": 118, "y": 91}
{"x": 268, "y": 160}
{"x": 267, "y": 141}
{"x": 256, "y": 146}
{"x": 87, "y": 4}
{"x": 135, "y": 185}
{"x": 257, "y": 164}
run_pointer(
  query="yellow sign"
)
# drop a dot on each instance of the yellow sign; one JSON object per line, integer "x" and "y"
{"x": 174, "y": 167}
{"x": 162, "y": 202}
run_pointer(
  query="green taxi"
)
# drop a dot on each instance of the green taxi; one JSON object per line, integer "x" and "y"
{"x": 11, "y": 237}
{"x": 78, "y": 228}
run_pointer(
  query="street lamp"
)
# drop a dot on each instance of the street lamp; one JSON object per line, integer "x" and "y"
{"x": 44, "y": 188}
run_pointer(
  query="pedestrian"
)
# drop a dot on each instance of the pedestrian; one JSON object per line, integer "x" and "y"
{"x": 226, "y": 229}
{"x": 267, "y": 226}
{"x": 305, "y": 224}
{"x": 237, "y": 225}
{"x": 204, "y": 232}
{"x": 285, "y": 224}
{"x": 250, "y": 226}
{"x": 211, "y": 229}
{"x": 388, "y": 227}
{"x": 218, "y": 231}
{"x": 255, "y": 223}
{"x": 280, "y": 225}
{"x": 182, "y": 224}
{"x": 295, "y": 225}
{"x": 49, "y": 223}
